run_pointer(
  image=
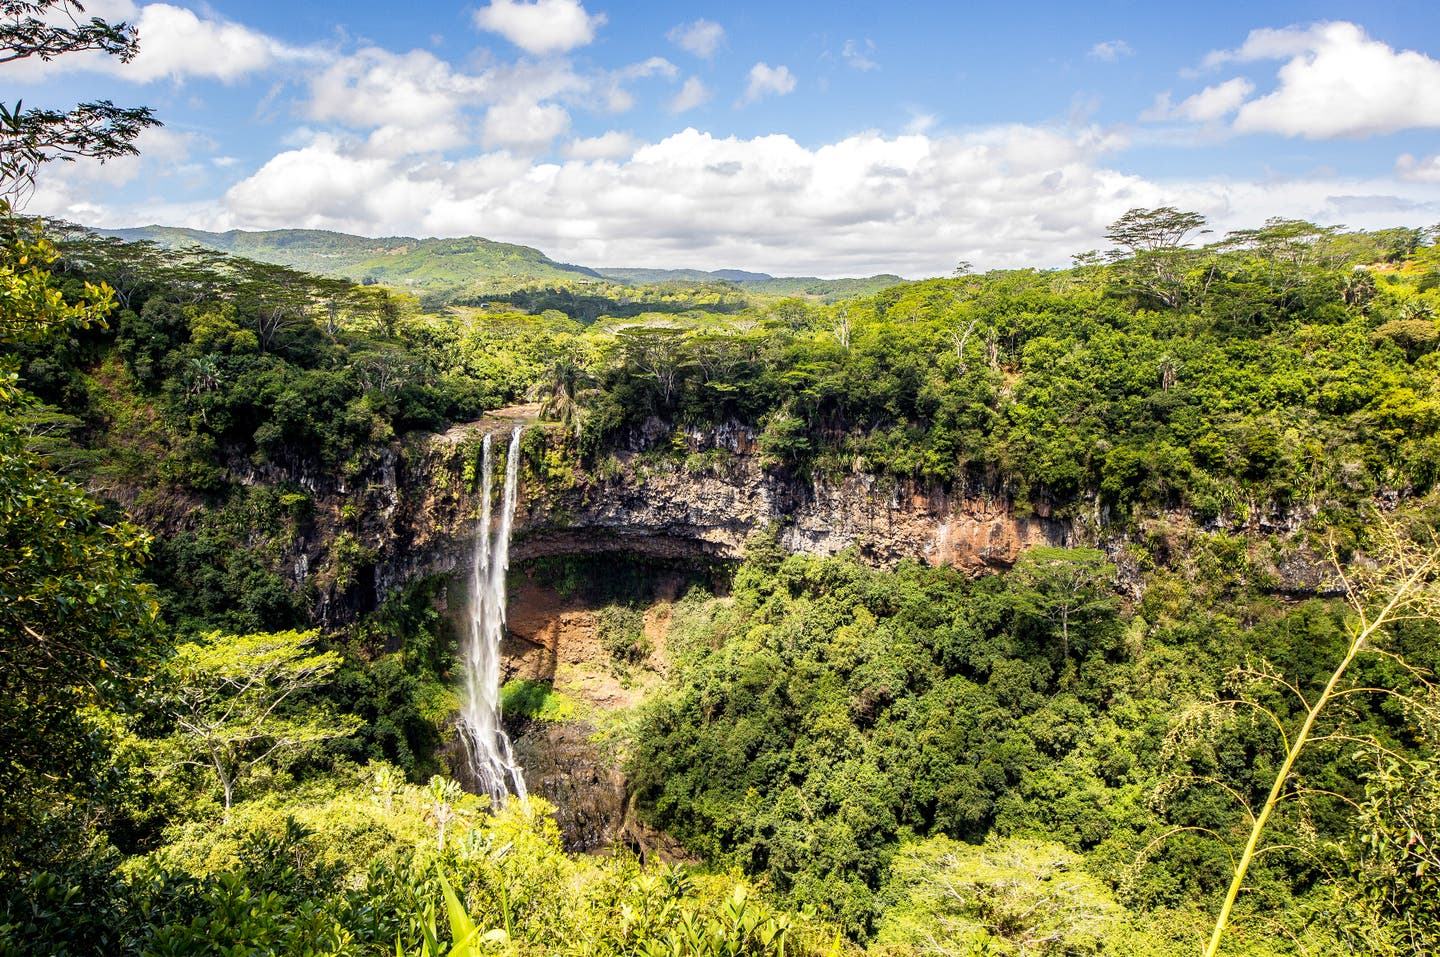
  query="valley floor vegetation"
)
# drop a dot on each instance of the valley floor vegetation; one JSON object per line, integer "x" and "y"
{"x": 1061, "y": 759}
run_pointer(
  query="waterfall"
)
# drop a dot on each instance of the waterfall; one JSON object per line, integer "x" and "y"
{"x": 492, "y": 764}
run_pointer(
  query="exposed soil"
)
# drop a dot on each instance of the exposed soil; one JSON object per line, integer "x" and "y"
{"x": 557, "y": 639}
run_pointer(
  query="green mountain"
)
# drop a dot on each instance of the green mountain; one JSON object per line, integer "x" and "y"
{"x": 459, "y": 265}
{"x": 437, "y": 265}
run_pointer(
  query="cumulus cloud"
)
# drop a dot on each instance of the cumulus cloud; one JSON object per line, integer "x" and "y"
{"x": 1209, "y": 105}
{"x": 1110, "y": 51}
{"x": 524, "y": 125}
{"x": 1271, "y": 44}
{"x": 1005, "y": 196}
{"x": 418, "y": 103}
{"x": 700, "y": 37}
{"x": 176, "y": 44}
{"x": 860, "y": 56}
{"x": 1336, "y": 82}
{"x": 545, "y": 26}
{"x": 1426, "y": 170}
{"x": 323, "y": 183}
{"x": 766, "y": 80}
{"x": 414, "y": 101}
{"x": 377, "y": 87}
{"x": 691, "y": 95}
{"x": 611, "y": 145}
{"x": 862, "y": 204}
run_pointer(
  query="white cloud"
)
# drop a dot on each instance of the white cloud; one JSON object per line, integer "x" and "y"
{"x": 1209, "y": 105}
{"x": 545, "y": 26}
{"x": 1002, "y": 197}
{"x": 611, "y": 145}
{"x": 1110, "y": 51}
{"x": 700, "y": 37}
{"x": 617, "y": 98}
{"x": 1269, "y": 44}
{"x": 766, "y": 80}
{"x": 176, "y": 44}
{"x": 654, "y": 66}
{"x": 691, "y": 95}
{"x": 1426, "y": 170}
{"x": 321, "y": 184}
{"x": 524, "y": 124}
{"x": 1337, "y": 82}
{"x": 414, "y": 101}
{"x": 859, "y": 56}
{"x": 375, "y": 87}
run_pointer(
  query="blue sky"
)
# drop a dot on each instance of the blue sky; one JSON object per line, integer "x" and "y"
{"x": 829, "y": 139}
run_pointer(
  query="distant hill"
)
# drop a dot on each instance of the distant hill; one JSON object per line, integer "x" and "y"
{"x": 827, "y": 289}
{"x": 639, "y": 275}
{"x": 759, "y": 282}
{"x": 430, "y": 264}
{"x": 463, "y": 264}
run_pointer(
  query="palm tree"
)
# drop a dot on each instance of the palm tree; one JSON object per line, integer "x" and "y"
{"x": 561, "y": 391}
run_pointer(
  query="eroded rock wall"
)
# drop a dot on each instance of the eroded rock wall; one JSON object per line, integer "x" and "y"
{"x": 411, "y": 512}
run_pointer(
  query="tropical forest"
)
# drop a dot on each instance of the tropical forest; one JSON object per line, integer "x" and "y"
{"x": 426, "y": 596}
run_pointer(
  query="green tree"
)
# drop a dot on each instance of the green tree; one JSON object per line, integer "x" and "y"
{"x": 1153, "y": 257}
{"x": 1391, "y": 902}
{"x": 561, "y": 391}
{"x": 272, "y": 299}
{"x": 236, "y": 702}
{"x": 949, "y": 899}
{"x": 657, "y": 354}
{"x": 1063, "y": 587}
{"x": 76, "y": 625}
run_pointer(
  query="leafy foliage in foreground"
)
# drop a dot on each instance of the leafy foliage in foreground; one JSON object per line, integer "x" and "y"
{"x": 76, "y": 624}
{"x": 340, "y": 871}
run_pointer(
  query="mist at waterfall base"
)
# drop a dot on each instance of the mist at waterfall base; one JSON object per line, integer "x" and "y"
{"x": 490, "y": 759}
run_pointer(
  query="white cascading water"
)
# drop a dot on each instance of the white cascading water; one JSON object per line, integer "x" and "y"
{"x": 491, "y": 761}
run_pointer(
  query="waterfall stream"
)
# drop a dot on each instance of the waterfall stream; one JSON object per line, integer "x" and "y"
{"x": 492, "y": 762}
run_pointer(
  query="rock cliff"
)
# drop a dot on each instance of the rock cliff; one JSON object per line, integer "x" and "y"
{"x": 699, "y": 495}
{"x": 689, "y": 495}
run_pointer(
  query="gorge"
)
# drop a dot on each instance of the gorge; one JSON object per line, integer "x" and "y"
{"x": 837, "y": 601}
{"x": 406, "y": 591}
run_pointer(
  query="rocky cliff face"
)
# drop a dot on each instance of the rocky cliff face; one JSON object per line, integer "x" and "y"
{"x": 711, "y": 500}
{"x": 702, "y": 494}
{"x": 420, "y": 510}
{"x": 696, "y": 495}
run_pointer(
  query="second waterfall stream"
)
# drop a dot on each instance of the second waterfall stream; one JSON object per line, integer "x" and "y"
{"x": 492, "y": 762}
